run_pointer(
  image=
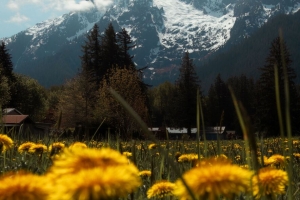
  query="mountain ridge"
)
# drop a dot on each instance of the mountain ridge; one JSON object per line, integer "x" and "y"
{"x": 161, "y": 30}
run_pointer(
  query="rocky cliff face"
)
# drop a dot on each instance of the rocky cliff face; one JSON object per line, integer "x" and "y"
{"x": 161, "y": 29}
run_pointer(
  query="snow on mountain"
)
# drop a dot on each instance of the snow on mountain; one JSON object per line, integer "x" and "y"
{"x": 183, "y": 21}
{"x": 161, "y": 30}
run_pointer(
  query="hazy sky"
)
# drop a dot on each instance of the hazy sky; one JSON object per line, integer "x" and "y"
{"x": 17, "y": 15}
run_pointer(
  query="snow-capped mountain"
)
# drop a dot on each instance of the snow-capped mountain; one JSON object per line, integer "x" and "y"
{"x": 161, "y": 29}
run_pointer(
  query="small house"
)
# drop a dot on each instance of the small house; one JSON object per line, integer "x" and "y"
{"x": 14, "y": 119}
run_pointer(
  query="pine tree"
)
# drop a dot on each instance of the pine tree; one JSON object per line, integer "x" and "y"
{"x": 6, "y": 63}
{"x": 91, "y": 60}
{"x": 4, "y": 89}
{"x": 125, "y": 44}
{"x": 110, "y": 49}
{"x": 219, "y": 103}
{"x": 266, "y": 115}
{"x": 188, "y": 83}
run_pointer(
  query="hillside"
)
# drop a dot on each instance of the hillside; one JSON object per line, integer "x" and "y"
{"x": 250, "y": 54}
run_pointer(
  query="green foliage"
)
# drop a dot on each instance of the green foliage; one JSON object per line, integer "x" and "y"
{"x": 125, "y": 44}
{"x": 30, "y": 97}
{"x": 126, "y": 83}
{"x": 162, "y": 104}
{"x": 4, "y": 89}
{"x": 6, "y": 63}
{"x": 218, "y": 102}
{"x": 110, "y": 49}
{"x": 188, "y": 83}
{"x": 266, "y": 105}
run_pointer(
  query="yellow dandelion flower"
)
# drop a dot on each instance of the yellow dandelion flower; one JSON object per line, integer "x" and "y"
{"x": 222, "y": 156}
{"x": 5, "y": 142}
{"x": 213, "y": 178}
{"x": 145, "y": 173}
{"x": 296, "y": 155}
{"x": 244, "y": 166}
{"x": 296, "y": 142}
{"x": 97, "y": 183}
{"x": 188, "y": 157}
{"x": 278, "y": 159}
{"x": 177, "y": 155}
{"x": 127, "y": 154}
{"x": 270, "y": 151}
{"x": 38, "y": 148}
{"x": 161, "y": 189}
{"x": 23, "y": 186}
{"x": 238, "y": 158}
{"x": 72, "y": 161}
{"x": 77, "y": 145}
{"x": 56, "y": 148}
{"x": 25, "y": 147}
{"x": 268, "y": 161}
{"x": 237, "y": 146}
{"x": 269, "y": 181}
{"x": 152, "y": 146}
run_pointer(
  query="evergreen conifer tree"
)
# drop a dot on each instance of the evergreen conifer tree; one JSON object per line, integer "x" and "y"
{"x": 125, "y": 44}
{"x": 110, "y": 49}
{"x": 266, "y": 114}
{"x": 187, "y": 83}
{"x": 91, "y": 60}
{"x": 219, "y": 102}
{"x": 6, "y": 63}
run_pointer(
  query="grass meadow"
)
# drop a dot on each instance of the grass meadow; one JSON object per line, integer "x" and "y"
{"x": 64, "y": 169}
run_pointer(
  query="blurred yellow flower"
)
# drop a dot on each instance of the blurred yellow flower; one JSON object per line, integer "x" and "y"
{"x": 270, "y": 151}
{"x": 5, "y": 143}
{"x": 188, "y": 157}
{"x": 270, "y": 181}
{"x": 25, "y": 147}
{"x": 127, "y": 154}
{"x": 145, "y": 173}
{"x": 23, "y": 186}
{"x": 56, "y": 148}
{"x": 279, "y": 159}
{"x": 161, "y": 189}
{"x": 72, "y": 161}
{"x": 213, "y": 178}
{"x": 268, "y": 161}
{"x": 38, "y": 148}
{"x": 77, "y": 145}
{"x": 97, "y": 183}
{"x": 177, "y": 155}
{"x": 297, "y": 155}
{"x": 152, "y": 146}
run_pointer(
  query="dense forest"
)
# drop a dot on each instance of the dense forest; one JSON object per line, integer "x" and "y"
{"x": 106, "y": 64}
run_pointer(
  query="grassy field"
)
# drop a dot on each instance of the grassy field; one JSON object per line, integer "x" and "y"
{"x": 66, "y": 169}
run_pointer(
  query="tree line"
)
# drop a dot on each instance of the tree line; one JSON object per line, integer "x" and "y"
{"x": 106, "y": 63}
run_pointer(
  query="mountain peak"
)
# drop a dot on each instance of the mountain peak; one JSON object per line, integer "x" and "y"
{"x": 161, "y": 30}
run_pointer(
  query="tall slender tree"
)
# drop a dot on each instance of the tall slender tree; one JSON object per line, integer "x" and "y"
{"x": 91, "y": 60}
{"x": 110, "y": 49}
{"x": 6, "y": 63}
{"x": 188, "y": 83}
{"x": 125, "y": 44}
{"x": 266, "y": 115}
{"x": 219, "y": 103}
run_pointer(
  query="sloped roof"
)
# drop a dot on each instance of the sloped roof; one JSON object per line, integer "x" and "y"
{"x": 14, "y": 119}
{"x": 11, "y": 111}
